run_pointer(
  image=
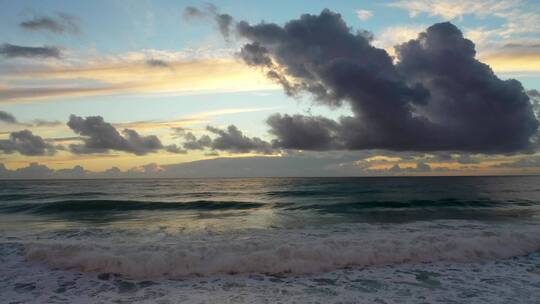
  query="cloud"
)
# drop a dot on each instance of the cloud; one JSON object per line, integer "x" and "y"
{"x": 75, "y": 172}
{"x": 234, "y": 141}
{"x": 12, "y": 51}
{"x": 294, "y": 164}
{"x": 7, "y": 118}
{"x": 62, "y": 23}
{"x": 526, "y": 162}
{"x": 467, "y": 159}
{"x": 157, "y": 63}
{"x": 100, "y": 137}
{"x": 223, "y": 21}
{"x": 45, "y": 123}
{"x": 519, "y": 17}
{"x": 129, "y": 76}
{"x": 453, "y": 9}
{"x": 436, "y": 98}
{"x": 304, "y": 132}
{"x": 534, "y": 95}
{"x": 26, "y": 143}
{"x": 364, "y": 14}
{"x": 194, "y": 12}
{"x": 297, "y": 165}
{"x": 420, "y": 167}
{"x": 151, "y": 168}
{"x": 230, "y": 140}
{"x": 34, "y": 170}
{"x": 394, "y": 35}
{"x": 513, "y": 56}
{"x": 175, "y": 149}
{"x": 193, "y": 143}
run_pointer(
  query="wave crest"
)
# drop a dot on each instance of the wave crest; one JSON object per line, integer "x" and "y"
{"x": 282, "y": 252}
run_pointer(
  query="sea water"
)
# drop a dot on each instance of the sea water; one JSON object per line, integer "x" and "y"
{"x": 271, "y": 240}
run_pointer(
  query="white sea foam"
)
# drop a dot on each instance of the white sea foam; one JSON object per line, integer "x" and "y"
{"x": 281, "y": 251}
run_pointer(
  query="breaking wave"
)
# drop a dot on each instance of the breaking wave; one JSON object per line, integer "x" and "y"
{"x": 289, "y": 252}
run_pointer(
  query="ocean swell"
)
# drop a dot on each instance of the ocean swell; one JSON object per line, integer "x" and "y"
{"x": 95, "y": 206}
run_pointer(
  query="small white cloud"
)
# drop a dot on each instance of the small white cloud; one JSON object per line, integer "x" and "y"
{"x": 364, "y": 14}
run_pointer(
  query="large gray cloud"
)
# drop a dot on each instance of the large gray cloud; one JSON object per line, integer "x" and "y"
{"x": 62, "y": 23}
{"x": 13, "y": 51}
{"x": 100, "y": 137}
{"x": 26, "y": 143}
{"x": 437, "y": 98}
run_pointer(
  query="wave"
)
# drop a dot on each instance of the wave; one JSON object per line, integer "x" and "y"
{"x": 43, "y": 196}
{"x": 441, "y": 203}
{"x": 290, "y": 252}
{"x": 77, "y": 206}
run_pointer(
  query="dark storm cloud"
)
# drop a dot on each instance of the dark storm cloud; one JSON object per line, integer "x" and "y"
{"x": 437, "y": 98}
{"x": 7, "y": 118}
{"x": 26, "y": 143}
{"x": 224, "y": 22}
{"x": 13, "y": 51}
{"x": 100, "y": 137}
{"x": 63, "y": 23}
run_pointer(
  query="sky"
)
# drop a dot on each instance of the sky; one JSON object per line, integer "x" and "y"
{"x": 281, "y": 88}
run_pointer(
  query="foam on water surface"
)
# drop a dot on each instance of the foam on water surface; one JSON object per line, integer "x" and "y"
{"x": 515, "y": 280}
{"x": 282, "y": 251}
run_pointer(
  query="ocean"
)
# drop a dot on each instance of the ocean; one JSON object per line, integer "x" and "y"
{"x": 271, "y": 240}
